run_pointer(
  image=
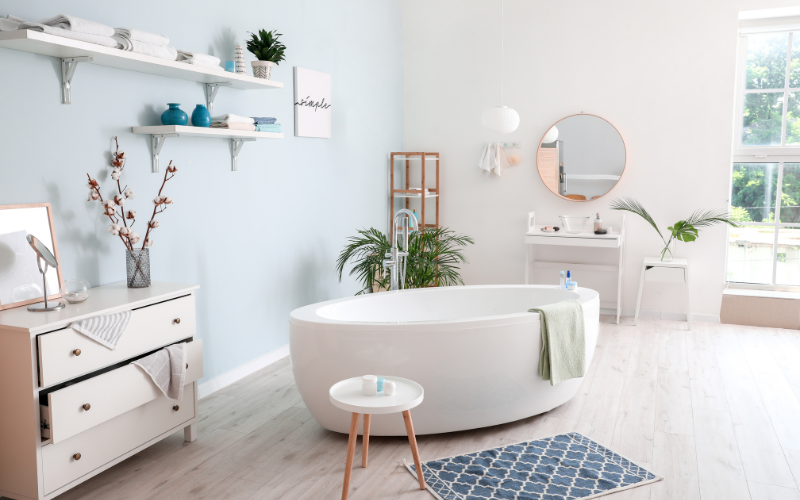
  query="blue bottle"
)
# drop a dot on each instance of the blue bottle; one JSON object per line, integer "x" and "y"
{"x": 174, "y": 115}
{"x": 201, "y": 117}
{"x": 569, "y": 276}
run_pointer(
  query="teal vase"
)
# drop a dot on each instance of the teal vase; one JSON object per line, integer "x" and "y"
{"x": 174, "y": 115}
{"x": 201, "y": 117}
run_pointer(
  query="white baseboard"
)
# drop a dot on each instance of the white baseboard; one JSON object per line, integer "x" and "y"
{"x": 241, "y": 372}
{"x": 669, "y": 315}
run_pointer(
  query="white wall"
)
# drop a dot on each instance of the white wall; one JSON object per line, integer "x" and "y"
{"x": 661, "y": 72}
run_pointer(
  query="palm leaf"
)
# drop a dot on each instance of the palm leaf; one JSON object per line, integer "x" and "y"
{"x": 706, "y": 218}
{"x": 633, "y": 206}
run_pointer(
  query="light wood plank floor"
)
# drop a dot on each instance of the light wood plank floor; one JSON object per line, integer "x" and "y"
{"x": 716, "y": 411}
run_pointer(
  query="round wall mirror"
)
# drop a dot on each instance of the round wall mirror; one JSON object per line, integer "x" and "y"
{"x": 581, "y": 157}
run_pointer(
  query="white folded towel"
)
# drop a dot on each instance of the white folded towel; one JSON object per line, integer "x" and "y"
{"x": 167, "y": 368}
{"x": 10, "y": 23}
{"x": 493, "y": 158}
{"x": 197, "y": 58}
{"x": 229, "y": 118}
{"x": 72, "y": 23}
{"x": 105, "y": 330}
{"x": 148, "y": 49}
{"x": 202, "y": 64}
{"x": 142, "y": 36}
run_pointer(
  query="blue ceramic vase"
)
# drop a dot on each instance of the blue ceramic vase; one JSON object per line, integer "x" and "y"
{"x": 201, "y": 117}
{"x": 174, "y": 116}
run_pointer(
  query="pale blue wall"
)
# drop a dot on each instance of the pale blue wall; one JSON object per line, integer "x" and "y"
{"x": 261, "y": 241}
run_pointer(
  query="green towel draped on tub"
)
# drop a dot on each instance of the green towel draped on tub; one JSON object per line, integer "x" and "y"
{"x": 563, "y": 354}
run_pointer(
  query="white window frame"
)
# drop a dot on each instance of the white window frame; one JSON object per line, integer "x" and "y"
{"x": 763, "y": 154}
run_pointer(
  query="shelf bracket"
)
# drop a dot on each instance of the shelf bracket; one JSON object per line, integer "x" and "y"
{"x": 211, "y": 93}
{"x": 157, "y": 142}
{"x": 68, "y": 66}
{"x": 236, "y": 146}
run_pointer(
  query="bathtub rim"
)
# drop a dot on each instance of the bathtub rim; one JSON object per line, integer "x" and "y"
{"x": 307, "y": 316}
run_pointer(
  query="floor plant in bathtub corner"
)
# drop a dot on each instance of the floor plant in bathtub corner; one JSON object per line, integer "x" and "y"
{"x": 434, "y": 258}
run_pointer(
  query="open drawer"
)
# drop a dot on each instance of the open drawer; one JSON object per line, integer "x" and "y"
{"x": 79, "y": 407}
{"x": 66, "y": 354}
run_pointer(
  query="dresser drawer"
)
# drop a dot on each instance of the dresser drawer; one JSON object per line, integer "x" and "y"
{"x": 113, "y": 438}
{"x": 107, "y": 396}
{"x": 149, "y": 328}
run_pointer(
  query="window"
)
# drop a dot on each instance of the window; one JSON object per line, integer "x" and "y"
{"x": 765, "y": 174}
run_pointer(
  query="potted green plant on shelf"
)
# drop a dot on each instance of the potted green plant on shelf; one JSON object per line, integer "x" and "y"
{"x": 268, "y": 50}
{"x": 433, "y": 258}
{"x": 684, "y": 230}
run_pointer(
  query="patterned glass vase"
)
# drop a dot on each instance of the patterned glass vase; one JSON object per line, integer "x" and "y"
{"x": 138, "y": 265}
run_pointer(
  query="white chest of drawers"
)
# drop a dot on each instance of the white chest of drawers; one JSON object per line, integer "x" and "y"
{"x": 71, "y": 408}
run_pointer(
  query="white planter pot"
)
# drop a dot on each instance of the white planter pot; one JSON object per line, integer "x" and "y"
{"x": 262, "y": 69}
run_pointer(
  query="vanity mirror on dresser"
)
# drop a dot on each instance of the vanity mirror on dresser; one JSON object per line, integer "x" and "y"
{"x": 71, "y": 407}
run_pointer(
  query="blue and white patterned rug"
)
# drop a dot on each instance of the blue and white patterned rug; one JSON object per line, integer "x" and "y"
{"x": 563, "y": 467}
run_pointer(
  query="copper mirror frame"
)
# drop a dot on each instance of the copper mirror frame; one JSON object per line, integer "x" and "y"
{"x": 550, "y": 164}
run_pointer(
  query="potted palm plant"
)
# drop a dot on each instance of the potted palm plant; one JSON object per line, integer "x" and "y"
{"x": 433, "y": 258}
{"x": 268, "y": 50}
{"x": 684, "y": 230}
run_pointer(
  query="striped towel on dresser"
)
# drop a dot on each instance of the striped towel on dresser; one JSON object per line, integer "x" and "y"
{"x": 105, "y": 330}
{"x": 167, "y": 368}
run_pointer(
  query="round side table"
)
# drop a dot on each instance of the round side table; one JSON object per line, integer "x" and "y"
{"x": 347, "y": 395}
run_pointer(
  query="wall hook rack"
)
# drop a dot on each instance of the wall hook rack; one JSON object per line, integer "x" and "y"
{"x": 211, "y": 93}
{"x": 68, "y": 67}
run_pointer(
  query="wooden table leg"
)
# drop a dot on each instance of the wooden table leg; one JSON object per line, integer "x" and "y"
{"x": 414, "y": 450}
{"x": 351, "y": 451}
{"x": 365, "y": 443}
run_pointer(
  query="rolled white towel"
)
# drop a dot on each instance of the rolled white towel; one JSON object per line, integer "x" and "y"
{"x": 147, "y": 49}
{"x": 72, "y": 23}
{"x": 231, "y": 118}
{"x": 105, "y": 41}
{"x": 198, "y": 58}
{"x": 142, "y": 36}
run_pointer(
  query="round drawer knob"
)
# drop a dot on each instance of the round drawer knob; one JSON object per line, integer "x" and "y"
{"x": 177, "y": 321}
{"x": 76, "y": 352}
{"x": 176, "y": 407}
{"x": 87, "y": 407}
{"x": 76, "y": 456}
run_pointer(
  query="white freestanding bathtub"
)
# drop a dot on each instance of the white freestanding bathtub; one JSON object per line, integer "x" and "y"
{"x": 474, "y": 350}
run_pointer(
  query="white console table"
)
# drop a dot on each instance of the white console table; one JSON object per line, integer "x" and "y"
{"x": 615, "y": 239}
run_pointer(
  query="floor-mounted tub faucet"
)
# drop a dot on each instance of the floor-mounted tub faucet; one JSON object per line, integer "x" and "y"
{"x": 395, "y": 260}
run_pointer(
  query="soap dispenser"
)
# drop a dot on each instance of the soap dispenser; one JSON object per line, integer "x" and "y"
{"x": 598, "y": 223}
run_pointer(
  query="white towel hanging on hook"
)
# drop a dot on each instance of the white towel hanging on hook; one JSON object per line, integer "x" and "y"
{"x": 493, "y": 158}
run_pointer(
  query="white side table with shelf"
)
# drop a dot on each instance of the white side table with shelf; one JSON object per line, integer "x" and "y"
{"x": 615, "y": 239}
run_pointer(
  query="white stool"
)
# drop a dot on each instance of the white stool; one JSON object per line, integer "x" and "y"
{"x": 347, "y": 395}
{"x": 675, "y": 271}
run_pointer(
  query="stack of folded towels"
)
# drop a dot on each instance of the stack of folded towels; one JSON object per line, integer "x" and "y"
{"x": 254, "y": 124}
{"x": 198, "y": 59}
{"x": 64, "y": 26}
{"x": 267, "y": 124}
{"x": 142, "y": 42}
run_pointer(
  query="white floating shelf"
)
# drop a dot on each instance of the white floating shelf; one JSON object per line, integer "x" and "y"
{"x": 160, "y": 133}
{"x": 68, "y": 49}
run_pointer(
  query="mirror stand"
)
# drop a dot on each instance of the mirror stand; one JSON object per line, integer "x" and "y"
{"x": 44, "y": 306}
